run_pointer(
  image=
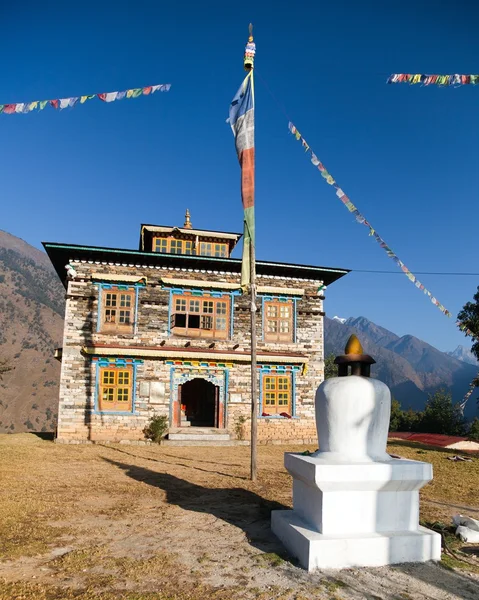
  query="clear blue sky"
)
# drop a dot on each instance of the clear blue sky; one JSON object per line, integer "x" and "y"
{"x": 408, "y": 157}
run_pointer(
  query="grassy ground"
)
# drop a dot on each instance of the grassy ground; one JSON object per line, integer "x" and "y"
{"x": 144, "y": 523}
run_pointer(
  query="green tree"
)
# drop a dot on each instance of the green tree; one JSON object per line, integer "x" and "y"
{"x": 397, "y": 416}
{"x": 441, "y": 416}
{"x": 469, "y": 316}
{"x": 330, "y": 369}
{"x": 473, "y": 432}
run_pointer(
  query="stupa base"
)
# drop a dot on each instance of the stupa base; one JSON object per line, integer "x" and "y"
{"x": 318, "y": 551}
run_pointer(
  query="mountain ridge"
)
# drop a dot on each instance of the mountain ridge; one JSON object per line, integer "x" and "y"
{"x": 412, "y": 368}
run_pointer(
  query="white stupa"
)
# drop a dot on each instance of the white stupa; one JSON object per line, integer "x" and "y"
{"x": 353, "y": 504}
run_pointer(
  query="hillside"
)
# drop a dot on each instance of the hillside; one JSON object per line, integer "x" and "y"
{"x": 31, "y": 325}
{"x": 412, "y": 368}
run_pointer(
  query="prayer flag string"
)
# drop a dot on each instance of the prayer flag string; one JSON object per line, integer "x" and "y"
{"x": 372, "y": 232}
{"x": 62, "y": 103}
{"x": 441, "y": 80}
{"x": 363, "y": 221}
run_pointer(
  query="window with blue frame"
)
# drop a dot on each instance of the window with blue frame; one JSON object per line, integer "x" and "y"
{"x": 117, "y": 308}
{"x": 277, "y": 393}
{"x": 278, "y": 319}
{"x": 115, "y": 393}
{"x": 200, "y": 314}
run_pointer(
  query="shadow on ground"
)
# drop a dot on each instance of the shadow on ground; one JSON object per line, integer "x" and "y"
{"x": 236, "y": 506}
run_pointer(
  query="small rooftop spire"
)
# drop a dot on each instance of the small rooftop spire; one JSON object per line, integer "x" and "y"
{"x": 187, "y": 224}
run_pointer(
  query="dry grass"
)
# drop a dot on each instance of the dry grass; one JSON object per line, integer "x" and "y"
{"x": 159, "y": 523}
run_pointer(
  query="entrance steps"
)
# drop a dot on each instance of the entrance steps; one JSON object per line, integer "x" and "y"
{"x": 200, "y": 436}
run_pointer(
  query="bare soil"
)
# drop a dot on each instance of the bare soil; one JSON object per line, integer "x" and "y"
{"x": 160, "y": 523}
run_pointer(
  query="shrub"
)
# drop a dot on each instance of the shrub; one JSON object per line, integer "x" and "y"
{"x": 239, "y": 427}
{"x": 156, "y": 428}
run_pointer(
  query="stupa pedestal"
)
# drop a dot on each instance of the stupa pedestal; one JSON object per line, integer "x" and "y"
{"x": 354, "y": 505}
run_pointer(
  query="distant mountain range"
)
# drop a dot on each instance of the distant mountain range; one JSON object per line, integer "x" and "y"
{"x": 410, "y": 367}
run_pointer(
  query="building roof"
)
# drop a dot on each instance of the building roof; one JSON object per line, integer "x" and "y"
{"x": 147, "y": 231}
{"x": 61, "y": 254}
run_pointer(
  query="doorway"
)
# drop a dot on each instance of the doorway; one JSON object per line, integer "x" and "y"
{"x": 200, "y": 402}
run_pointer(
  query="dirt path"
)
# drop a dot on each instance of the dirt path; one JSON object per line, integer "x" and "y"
{"x": 161, "y": 523}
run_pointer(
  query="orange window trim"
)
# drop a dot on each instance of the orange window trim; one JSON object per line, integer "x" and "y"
{"x": 115, "y": 389}
{"x": 172, "y": 245}
{"x": 276, "y": 394}
{"x": 117, "y": 310}
{"x": 278, "y": 321}
{"x": 203, "y": 316}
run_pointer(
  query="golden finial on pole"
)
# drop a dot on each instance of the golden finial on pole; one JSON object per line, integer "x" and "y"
{"x": 187, "y": 224}
{"x": 250, "y": 51}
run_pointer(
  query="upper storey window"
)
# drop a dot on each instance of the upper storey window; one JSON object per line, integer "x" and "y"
{"x": 213, "y": 249}
{"x": 204, "y": 317}
{"x": 278, "y": 319}
{"x": 169, "y": 245}
{"x": 172, "y": 246}
{"x": 117, "y": 310}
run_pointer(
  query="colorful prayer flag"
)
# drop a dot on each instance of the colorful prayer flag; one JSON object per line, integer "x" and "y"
{"x": 241, "y": 119}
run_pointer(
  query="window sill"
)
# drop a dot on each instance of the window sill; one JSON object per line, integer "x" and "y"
{"x": 116, "y": 412}
{"x": 278, "y": 417}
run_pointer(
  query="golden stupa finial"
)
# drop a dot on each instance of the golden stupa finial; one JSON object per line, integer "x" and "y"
{"x": 187, "y": 224}
{"x": 250, "y": 29}
{"x": 353, "y": 346}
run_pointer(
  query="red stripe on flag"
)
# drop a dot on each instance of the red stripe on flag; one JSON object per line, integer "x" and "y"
{"x": 247, "y": 177}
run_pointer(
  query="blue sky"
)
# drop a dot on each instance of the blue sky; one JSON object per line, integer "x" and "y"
{"x": 408, "y": 157}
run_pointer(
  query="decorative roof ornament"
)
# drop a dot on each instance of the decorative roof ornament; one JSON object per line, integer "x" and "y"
{"x": 250, "y": 51}
{"x": 354, "y": 356}
{"x": 187, "y": 224}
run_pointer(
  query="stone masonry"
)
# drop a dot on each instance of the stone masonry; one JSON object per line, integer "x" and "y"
{"x": 78, "y": 421}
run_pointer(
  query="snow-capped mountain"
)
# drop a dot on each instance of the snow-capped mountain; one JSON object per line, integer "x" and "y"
{"x": 340, "y": 319}
{"x": 464, "y": 354}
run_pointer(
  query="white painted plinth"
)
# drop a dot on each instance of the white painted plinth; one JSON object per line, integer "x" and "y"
{"x": 360, "y": 514}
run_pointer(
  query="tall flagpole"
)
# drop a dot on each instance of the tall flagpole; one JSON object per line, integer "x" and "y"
{"x": 254, "y": 371}
{"x": 249, "y": 66}
{"x": 241, "y": 119}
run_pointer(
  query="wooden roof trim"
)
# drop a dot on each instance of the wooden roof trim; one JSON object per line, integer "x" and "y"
{"x": 193, "y": 232}
{"x": 192, "y": 353}
{"x": 122, "y": 278}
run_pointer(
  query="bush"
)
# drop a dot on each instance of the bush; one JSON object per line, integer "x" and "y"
{"x": 156, "y": 428}
{"x": 240, "y": 427}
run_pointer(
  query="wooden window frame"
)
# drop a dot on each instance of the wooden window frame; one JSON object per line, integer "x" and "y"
{"x": 277, "y": 388}
{"x": 111, "y": 384}
{"x": 107, "y": 325}
{"x": 279, "y": 321}
{"x": 172, "y": 244}
{"x": 218, "y": 249}
{"x": 191, "y": 315}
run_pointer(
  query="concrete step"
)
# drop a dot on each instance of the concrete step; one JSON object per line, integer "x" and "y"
{"x": 199, "y": 437}
{"x": 204, "y": 443}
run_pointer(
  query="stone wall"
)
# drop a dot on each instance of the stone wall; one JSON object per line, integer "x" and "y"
{"x": 78, "y": 421}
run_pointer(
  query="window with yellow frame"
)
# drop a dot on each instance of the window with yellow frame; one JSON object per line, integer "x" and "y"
{"x": 172, "y": 246}
{"x": 277, "y": 394}
{"x": 213, "y": 249}
{"x": 115, "y": 389}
